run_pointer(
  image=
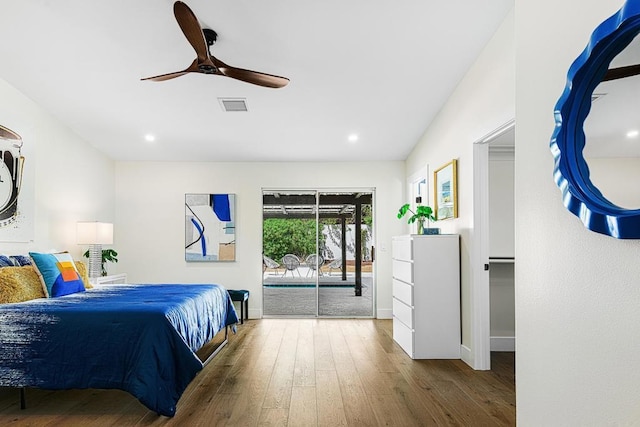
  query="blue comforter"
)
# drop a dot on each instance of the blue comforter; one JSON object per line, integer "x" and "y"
{"x": 137, "y": 338}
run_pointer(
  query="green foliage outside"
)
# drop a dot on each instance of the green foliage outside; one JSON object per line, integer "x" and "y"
{"x": 289, "y": 236}
{"x": 298, "y": 236}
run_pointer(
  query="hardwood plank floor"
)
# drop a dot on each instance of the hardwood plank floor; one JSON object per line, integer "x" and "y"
{"x": 300, "y": 372}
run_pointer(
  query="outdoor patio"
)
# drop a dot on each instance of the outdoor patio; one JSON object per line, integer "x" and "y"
{"x": 296, "y": 296}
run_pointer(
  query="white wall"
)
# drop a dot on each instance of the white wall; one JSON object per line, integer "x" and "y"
{"x": 577, "y": 292}
{"x": 150, "y": 217}
{"x": 501, "y": 204}
{"x": 333, "y": 244}
{"x": 482, "y": 102}
{"x": 73, "y": 181}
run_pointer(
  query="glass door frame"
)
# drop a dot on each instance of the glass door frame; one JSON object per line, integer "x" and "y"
{"x": 318, "y": 191}
{"x": 292, "y": 191}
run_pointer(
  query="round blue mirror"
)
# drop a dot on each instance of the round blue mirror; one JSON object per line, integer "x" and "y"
{"x": 571, "y": 171}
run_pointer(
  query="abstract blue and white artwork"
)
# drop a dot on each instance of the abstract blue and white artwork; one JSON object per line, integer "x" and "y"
{"x": 210, "y": 231}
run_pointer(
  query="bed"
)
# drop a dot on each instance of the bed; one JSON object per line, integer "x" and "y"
{"x": 138, "y": 338}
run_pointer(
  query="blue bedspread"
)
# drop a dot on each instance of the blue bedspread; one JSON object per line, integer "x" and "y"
{"x": 137, "y": 338}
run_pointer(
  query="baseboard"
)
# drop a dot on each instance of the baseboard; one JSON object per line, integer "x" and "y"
{"x": 385, "y": 313}
{"x": 503, "y": 343}
{"x": 466, "y": 355}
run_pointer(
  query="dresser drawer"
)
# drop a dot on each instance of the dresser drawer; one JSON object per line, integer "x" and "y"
{"x": 403, "y": 291}
{"x": 403, "y": 336}
{"x": 403, "y": 312}
{"x": 401, "y": 249}
{"x": 403, "y": 270}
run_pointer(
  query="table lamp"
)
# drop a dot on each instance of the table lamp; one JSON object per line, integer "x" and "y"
{"x": 95, "y": 234}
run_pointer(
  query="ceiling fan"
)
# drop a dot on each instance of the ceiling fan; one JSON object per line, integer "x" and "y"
{"x": 205, "y": 63}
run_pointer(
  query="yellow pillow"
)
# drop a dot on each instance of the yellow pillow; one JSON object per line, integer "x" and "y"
{"x": 84, "y": 274}
{"x": 19, "y": 284}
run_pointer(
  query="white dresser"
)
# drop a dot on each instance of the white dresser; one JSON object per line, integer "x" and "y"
{"x": 426, "y": 295}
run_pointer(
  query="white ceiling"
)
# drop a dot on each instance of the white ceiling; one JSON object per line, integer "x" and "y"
{"x": 614, "y": 112}
{"x": 381, "y": 69}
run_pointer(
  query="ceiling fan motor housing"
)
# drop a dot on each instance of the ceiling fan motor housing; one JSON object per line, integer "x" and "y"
{"x": 210, "y": 36}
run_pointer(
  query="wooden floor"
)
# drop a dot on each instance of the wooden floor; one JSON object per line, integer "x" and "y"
{"x": 300, "y": 372}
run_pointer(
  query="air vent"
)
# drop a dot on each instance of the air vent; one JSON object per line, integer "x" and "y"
{"x": 233, "y": 104}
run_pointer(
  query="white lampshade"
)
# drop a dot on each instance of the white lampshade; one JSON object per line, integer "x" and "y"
{"x": 95, "y": 233}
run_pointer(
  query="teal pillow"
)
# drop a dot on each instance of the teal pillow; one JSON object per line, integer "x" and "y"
{"x": 57, "y": 273}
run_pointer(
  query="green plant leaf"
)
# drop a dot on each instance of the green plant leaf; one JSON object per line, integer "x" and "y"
{"x": 403, "y": 210}
{"x": 422, "y": 212}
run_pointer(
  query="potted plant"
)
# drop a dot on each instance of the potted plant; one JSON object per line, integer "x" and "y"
{"x": 108, "y": 255}
{"x": 422, "y": 214}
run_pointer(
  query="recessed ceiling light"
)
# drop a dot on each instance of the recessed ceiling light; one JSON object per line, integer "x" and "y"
{"x": 149, "y": 138}
{"x": 353, "y": 137}
{"x": 633, "y": 133}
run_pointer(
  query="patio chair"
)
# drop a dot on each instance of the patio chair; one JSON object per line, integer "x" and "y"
{"x": 314, "y": 262}
{"x": 268, "y": 263}
{"x": 336, "y": 264}
{"x": 291, "y": 263}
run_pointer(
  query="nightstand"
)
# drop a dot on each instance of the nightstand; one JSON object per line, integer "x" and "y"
{"x": 111, "y": 279}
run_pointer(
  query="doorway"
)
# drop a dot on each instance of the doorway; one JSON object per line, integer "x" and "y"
{"x": 502, "y": 242}
{"x": 318, "y": 253}
{"x": 493, "y": 253}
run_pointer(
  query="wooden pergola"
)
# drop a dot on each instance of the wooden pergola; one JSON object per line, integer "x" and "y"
{"x": 340, "y": 206}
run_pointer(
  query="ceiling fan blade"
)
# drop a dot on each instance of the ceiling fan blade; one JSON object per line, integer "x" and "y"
{"x": 621, "y": 72}
{"x": 255, "y": 77}
{"x": 191, "y": 28}
{"x": 205, "y": 63}
{"x": 193, "y": 68}
{"x": 168, "y": 76}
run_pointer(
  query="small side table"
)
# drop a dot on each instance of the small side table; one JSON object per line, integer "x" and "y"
{"x": 241, "y": 295}
{"x": 112, "y": 279}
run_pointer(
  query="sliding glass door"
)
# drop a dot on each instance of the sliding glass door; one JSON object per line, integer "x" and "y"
{"x": 318, "y": 253}
{"x": 289, "y": 237}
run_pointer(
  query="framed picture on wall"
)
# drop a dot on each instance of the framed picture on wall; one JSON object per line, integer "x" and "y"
{"x": 210, "y": 231}
{"x": 17, "y": 184}
{"x": 445, "y": 191}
